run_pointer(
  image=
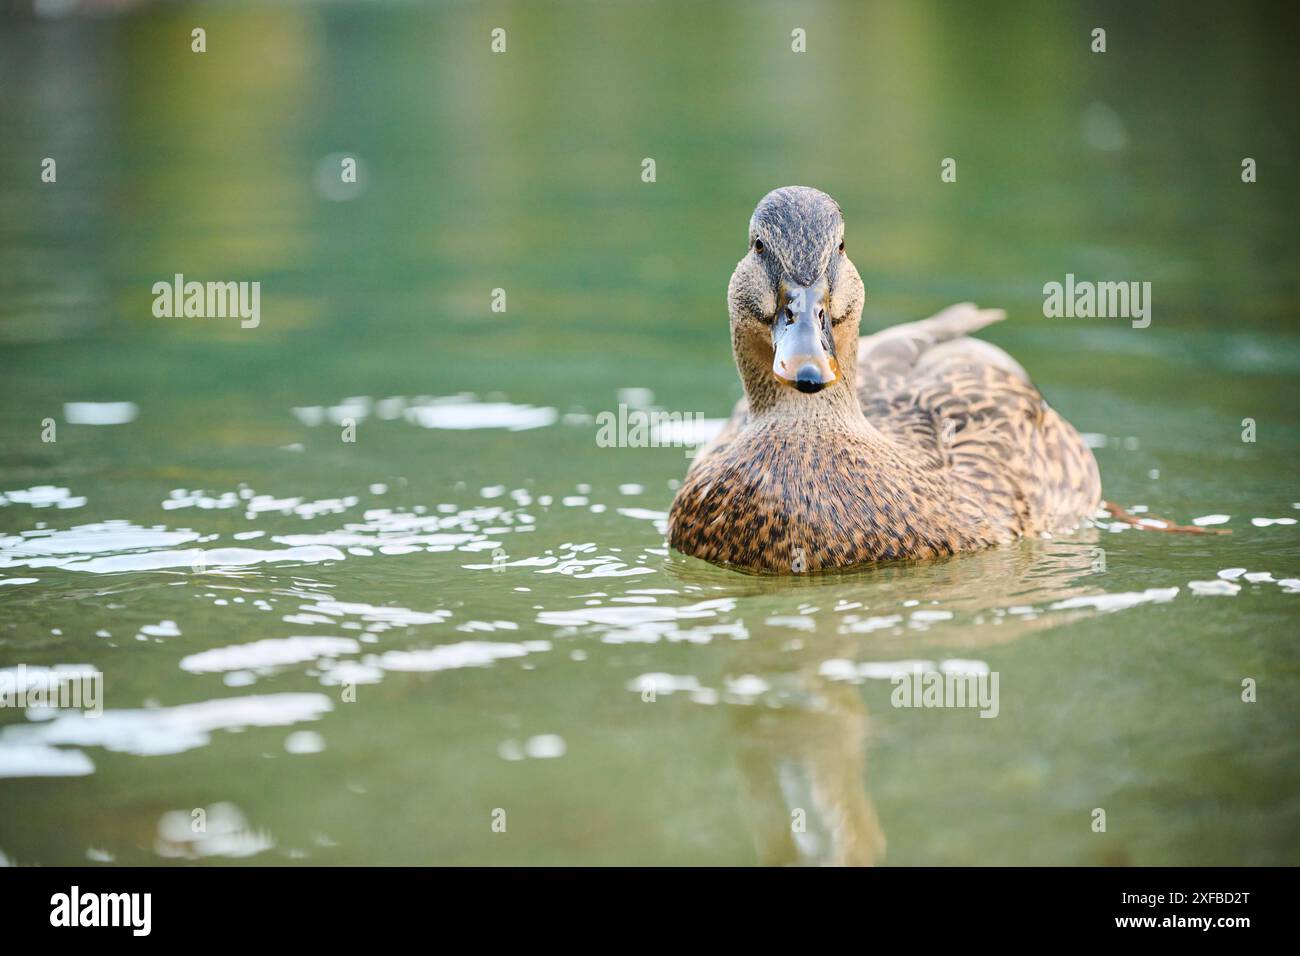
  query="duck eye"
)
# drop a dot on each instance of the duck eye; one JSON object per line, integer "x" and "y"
{"x": 841, "y": 247}
{"x": 758, "y": 247}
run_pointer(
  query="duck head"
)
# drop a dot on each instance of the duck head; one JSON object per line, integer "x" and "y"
{"x": 795, "y": 301}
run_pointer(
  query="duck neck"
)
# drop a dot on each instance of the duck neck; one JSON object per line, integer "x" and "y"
{"x": 774, "y": 401}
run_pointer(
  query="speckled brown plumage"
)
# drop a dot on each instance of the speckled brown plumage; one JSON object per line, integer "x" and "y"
{"x": 927, "y": 443}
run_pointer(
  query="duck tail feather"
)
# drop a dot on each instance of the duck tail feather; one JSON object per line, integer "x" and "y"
{"x": 960, "y": 319}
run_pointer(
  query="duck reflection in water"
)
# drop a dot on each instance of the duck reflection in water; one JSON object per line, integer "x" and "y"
{"x": 801, "y": 751}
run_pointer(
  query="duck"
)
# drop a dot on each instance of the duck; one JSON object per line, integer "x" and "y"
{"x": 916, "y": 442}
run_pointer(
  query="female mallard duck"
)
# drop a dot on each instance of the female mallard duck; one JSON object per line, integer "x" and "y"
{"x": 913, "y": 443}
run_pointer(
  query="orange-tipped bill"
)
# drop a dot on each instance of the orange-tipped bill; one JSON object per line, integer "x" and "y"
{"x": 804, "y": 350}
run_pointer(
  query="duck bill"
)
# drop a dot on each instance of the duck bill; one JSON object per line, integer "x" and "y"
{"x": 802, "y": 345}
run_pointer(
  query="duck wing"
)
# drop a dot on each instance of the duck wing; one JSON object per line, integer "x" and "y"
{"x": 965, "y": 408}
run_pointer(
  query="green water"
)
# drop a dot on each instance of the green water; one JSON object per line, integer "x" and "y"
{"x": 497, "y": 597}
